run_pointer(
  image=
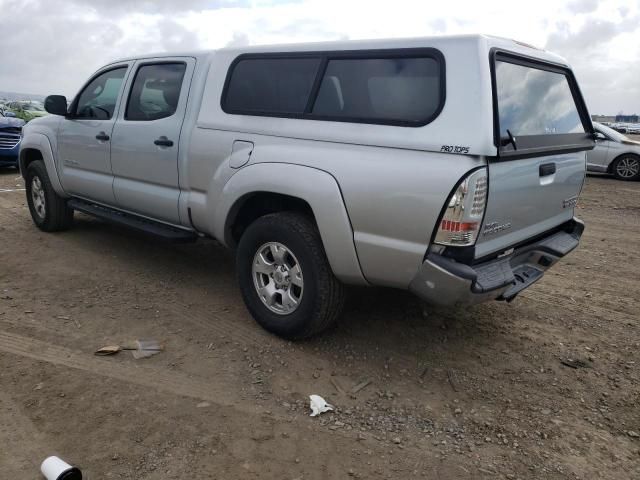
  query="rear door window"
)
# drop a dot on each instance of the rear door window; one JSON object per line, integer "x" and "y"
{"x": 155, "y": 91}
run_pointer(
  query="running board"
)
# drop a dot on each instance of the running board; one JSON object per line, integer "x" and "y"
{"x": 167, "y": 232}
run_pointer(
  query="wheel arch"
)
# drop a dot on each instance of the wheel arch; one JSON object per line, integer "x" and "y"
{"x": 27, "y": 156}
{"x": 265, "y": 188}
{"x": 254, "y": 205}
{"x": 36, "y": 146}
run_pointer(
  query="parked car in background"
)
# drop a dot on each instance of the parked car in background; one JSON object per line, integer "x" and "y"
{"x": 615, "y": 153}
{"x": 28, "y": 109}
{"x": 632, "y": 128}
{"x": 10, "y": 136}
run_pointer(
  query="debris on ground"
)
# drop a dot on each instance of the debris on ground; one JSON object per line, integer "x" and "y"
{"x": 577, "y": 363}
{"x": 138, "y": 348}
{"x": 318, "y": 405}
{"x": 54, "y": 468}
{"x": 108, "y": 350}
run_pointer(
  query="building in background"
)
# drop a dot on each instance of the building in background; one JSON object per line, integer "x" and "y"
{"x": 603, "y": 118}
{"x": 628, "y": 118}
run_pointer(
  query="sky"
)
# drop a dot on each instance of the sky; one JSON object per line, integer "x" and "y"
{"x": 52, "y": 46}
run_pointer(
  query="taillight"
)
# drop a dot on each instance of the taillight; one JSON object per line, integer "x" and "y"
{"x": 462, "y": 217}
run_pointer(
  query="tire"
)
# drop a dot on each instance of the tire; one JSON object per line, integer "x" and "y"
{"x": 298, "y": 248}
{"x": 626, "y": 167}
{"x": 48, "y": 210}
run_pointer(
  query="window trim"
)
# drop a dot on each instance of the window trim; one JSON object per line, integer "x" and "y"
{"x": 539, "y": 145}
{"x": 72, "y": 115}
{"x": 325, "y": 57}
{"x": 133, "y": 81}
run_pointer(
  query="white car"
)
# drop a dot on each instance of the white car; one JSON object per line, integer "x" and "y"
{"x": 615, "y": 153}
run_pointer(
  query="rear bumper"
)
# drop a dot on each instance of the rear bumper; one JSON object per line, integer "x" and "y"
{"x": 443, "y": 281}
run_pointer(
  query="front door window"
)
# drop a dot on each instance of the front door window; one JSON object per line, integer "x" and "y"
{"x": 97, "y": 101}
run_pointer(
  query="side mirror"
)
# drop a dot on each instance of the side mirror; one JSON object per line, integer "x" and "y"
{"x": 56, "y": 104}
{"x": 599, "y": 136}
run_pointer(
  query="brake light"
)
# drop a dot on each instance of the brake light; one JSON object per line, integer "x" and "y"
{"x": 462, "y": 217}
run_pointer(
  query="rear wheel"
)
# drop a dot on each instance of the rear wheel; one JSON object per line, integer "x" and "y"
{"x": 48, "y": 210}
{"x": 626, "y": 167}
{"x": 285, "y": 278}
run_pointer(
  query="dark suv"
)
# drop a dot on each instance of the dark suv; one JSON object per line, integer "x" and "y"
{"x": 10, "y": 136}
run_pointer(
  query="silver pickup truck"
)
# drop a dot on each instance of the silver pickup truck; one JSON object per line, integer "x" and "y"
{"x": 449, "y": 166}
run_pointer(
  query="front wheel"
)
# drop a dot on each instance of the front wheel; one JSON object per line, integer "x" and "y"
{"x": 48, "y": 210}
{"x": 285, "y": 278}
{"x": 627, "y": 167}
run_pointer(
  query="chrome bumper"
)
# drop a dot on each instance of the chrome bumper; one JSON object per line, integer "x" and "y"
{"x": 443, "y": 281}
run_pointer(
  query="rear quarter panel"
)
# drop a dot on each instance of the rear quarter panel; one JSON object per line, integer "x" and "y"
{"x": 393, "y": 197}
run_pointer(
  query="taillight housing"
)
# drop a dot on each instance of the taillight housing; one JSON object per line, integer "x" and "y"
{"x": 463, "y": 214}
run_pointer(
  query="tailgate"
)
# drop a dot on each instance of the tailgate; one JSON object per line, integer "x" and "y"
{"x": 542, "y": 130}
{"x": 522, "y": 203}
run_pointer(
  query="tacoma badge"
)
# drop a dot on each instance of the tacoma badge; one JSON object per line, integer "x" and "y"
{"x": 495, "y": 227}
{"x": 570, "y": 202}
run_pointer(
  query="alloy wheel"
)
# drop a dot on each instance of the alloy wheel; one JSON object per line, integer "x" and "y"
{"x": 38, "y": 197}
{"x": 277, "y": 278}
{"x": 628, "y": 167}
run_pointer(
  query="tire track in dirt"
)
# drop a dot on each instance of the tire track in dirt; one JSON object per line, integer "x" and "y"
{"x": 23, "y": 444}
{"x": 142, "y": 375}
{"x": 173, "y": 383}
{"x": 559, "y": 300}
{"x": 237, "y": 328}
{"x": 240, "y": 328}
{"x": 11, "y": 217}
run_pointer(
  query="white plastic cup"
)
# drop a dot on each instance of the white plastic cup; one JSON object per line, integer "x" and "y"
{"x": 54, "y": 468}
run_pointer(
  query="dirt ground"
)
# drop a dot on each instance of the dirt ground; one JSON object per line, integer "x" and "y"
{"x": 469, "y": 393}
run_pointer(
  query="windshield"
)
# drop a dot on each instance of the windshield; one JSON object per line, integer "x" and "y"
{"x": 610, "y": 132}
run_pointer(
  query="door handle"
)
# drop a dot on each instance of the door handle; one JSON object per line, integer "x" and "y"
{"x": 163, "y": 142}
{"x": 547, "y": 169}
{"x": 102, "y": 137}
